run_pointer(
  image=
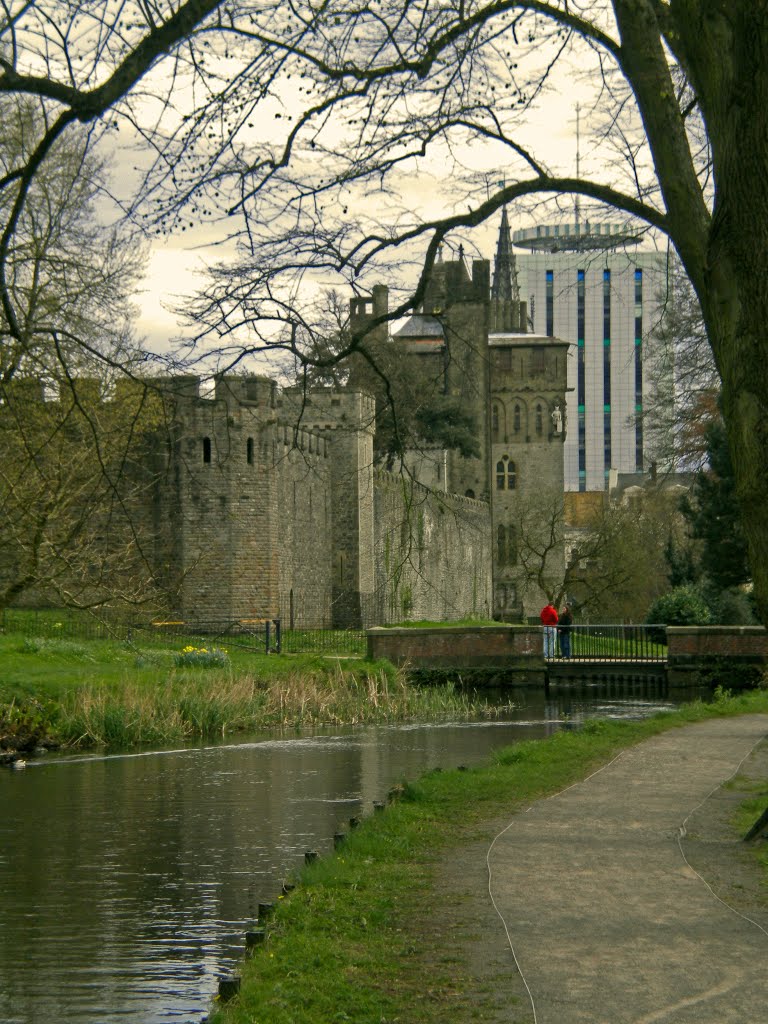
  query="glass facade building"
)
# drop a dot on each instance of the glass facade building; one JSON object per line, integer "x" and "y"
{"x": 605, "y": 303}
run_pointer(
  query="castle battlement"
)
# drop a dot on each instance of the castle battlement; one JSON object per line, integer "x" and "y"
{"x": 385, "y": 478}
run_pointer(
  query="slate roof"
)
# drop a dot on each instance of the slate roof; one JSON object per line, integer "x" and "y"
{"x": 421, "y": 326}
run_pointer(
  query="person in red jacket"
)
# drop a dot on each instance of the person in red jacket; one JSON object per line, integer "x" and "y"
{"x": 548, "y": 618}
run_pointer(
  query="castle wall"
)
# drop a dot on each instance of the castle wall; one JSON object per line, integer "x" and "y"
{"x": 346, "y": 420}
{"x": 305, "y": 544}
{"x": 433, "y": 555}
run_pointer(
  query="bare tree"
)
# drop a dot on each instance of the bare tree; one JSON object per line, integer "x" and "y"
{"x": 73, "y": 482}
{"x": 71, "y": 473}
{"x": 279, "y": 119}
{"x": 608, "y": 558}
{"x": 685, "y": 384}
{"x": 618, "y": 560}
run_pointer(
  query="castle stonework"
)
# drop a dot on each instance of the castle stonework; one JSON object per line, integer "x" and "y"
{"x": 269, "y": 506}
{"x": 513, "y": 384}
{"x": 262, "y": 502}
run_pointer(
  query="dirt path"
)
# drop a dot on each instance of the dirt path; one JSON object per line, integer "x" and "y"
{"x": 473, "y": 968}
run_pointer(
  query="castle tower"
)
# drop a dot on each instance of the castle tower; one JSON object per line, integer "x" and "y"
{"x": 346, "y": 420}
{"x": 527, "y": 431}
{"x": 216, "y": 508}
{"x": 449, "y": 339}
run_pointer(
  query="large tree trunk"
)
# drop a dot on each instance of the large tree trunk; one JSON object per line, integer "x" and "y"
{"x": 734, "y": 295}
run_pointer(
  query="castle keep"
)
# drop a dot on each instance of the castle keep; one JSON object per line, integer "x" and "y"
{"x": 265, "y": 502}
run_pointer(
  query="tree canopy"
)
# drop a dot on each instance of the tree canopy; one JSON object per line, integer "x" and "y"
{"x": 301, "y": 129}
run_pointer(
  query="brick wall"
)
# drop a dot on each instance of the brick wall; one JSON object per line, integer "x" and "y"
{"x": 516, "y": 650}
{"x": 690, "y": 642}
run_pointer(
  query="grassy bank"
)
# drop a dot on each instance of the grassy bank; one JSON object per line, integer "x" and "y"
{"x": 349, "y": 943}
{"x": 104, "y": 693}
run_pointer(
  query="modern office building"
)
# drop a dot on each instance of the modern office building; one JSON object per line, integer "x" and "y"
{"x": 592, "y": 285}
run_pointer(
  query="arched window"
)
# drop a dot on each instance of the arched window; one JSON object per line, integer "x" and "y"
{"x": 517, "y": 418}
{"x": 539, "y": 419}
{"x": 249, "y": 451}
{"x": 506, "y": 474}
{"x": 206, "y": 449}
{"x": 469, "y": 493}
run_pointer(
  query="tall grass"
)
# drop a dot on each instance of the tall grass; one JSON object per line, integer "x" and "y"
{"x": 207, "y": 703}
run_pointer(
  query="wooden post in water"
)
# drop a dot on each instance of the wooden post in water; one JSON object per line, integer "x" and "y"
{"x": 228, "y": 987}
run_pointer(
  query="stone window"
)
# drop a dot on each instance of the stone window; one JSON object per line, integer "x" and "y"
{"x": 506, "y": 474}
{"x": 517, "y": 418}
{"x": 206, "y": 449}
{"x": 539, "y": 419}
{"x": 249, "y": 451}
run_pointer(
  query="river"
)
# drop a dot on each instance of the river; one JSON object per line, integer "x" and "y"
{"x": 127, "y": 881}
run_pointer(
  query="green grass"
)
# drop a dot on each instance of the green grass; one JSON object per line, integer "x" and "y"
{"x": 425, "y": 624}
{"x": 597, "y": 646}
{"x": 104, "y": 693}
{"x": 349, "y": 943}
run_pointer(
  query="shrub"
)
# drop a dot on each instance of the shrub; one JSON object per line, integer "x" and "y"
{"x": 733, "y": 608}
{"x": 683, "y": 606}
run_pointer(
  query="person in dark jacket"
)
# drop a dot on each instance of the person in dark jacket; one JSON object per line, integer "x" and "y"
{"x": 564, "y": 631}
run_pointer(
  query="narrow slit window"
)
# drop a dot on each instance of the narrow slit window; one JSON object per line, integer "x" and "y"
{"x": 206, "y": 449}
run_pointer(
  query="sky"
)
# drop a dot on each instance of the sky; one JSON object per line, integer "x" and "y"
{"x": 177, "y": 263}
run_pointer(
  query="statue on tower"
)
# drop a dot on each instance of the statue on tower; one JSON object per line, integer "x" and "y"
{"x": 557, "y": 420}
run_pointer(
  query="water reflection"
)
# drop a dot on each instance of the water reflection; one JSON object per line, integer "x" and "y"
{"x": 127, "y": 882}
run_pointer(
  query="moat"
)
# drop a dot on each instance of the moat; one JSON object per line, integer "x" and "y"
{"x": 128, "y": 881}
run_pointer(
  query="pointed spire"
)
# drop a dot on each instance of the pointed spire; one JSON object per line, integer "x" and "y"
{"x": 505, "y": 287}
{"x": 505, "y": 292}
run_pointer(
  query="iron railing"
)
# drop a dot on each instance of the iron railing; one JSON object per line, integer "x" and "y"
{"x": 607, "y": 642}
{"x": 262, "y": 634}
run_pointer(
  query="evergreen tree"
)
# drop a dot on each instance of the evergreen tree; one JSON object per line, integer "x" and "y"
{"x": 713, "y": 513}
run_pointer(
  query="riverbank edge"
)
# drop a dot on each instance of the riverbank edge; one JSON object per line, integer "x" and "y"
{"x": 157, "y": 705}
{"x": 361, "y": 939}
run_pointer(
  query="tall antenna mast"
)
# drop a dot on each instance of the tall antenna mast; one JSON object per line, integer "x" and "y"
{"x": 577, "y": 202}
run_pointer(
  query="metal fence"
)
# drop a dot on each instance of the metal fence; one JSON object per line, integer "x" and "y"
{"x": 263, "y": 634}
{"x": 612, "y": 642}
